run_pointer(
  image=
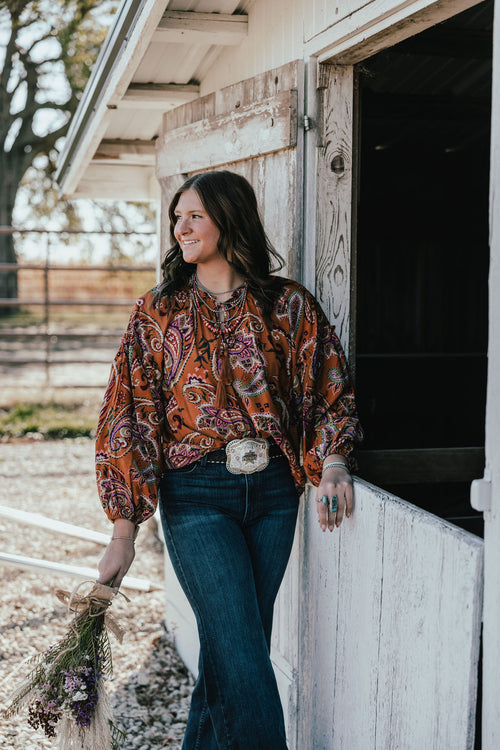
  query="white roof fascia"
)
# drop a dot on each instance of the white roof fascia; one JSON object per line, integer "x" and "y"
{"x": 127, "y": 40}
{"x": 367, "y": 31}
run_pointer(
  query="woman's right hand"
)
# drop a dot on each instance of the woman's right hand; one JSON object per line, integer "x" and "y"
{"x": 119, "y": 553}
{"x": 115, "y": 562}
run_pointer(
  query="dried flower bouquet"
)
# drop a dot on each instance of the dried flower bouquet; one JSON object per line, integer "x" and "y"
{"x": 64, "y": 689}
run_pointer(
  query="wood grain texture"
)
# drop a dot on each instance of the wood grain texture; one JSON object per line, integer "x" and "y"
{"x": 264, "y": 127}
{"x": 349, "y": 32}
{"x": 334, "y": 197}
{"x": 430, "y": 615}
{"x": 390, "y": 625}
{"x": 491, "y": 659}
{"x": 311, "y": 158}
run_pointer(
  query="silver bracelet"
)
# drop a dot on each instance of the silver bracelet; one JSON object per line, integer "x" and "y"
{"x": 130, "y": 538}
{"x": 335, "y": 463}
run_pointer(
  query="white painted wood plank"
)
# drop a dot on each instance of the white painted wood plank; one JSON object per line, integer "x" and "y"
{"x": 311, "y": 155}
{"x": 261, "y": 128}
{"x": 356, "y": 637}
{"x": 429, "y": 632}
{"x": 275, "y": 38}
{"x": 277, "y": 178}
{"x": 491, "y": 627}
{"x": 180, "y": 619}
{"x": 390, "y": 625}
{"x": 140, "y": 153}
{"x": 334, "y": 205}
{"x": 157, "y": 96}
{"x": 318, "y": 618}
{"x": 190, "y": 27}
{"x": 285, "y": 623}
{"x": 359, "y": 29}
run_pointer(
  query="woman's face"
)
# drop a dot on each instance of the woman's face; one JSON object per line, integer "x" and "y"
{"x": 195, "y": 231}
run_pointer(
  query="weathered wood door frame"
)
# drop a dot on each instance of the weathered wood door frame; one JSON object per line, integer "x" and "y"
{"x": 491, "y": 613}
{"x": 330, "y": 167}
{"x": 377, "y": 25}
{"x": 346, "y": 628}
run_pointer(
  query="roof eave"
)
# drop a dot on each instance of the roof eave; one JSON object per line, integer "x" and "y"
{"x": 133, "y": 27}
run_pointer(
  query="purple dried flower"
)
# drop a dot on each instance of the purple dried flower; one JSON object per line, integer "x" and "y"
{"x": 81, "y": 693}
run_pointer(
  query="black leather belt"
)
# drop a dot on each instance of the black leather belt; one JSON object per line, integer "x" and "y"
{"x": 219, "y": 456}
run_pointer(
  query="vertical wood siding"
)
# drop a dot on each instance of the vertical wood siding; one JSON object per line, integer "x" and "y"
{"x": 491, "y": 660}
{"x": 273, "y": 176}
{"x": 390, "y": 621}
{"x": 275, "y": 38}
{"x": 334, "y": 188}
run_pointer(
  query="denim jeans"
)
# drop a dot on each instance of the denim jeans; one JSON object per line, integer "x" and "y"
{"x": 229, "y": 538}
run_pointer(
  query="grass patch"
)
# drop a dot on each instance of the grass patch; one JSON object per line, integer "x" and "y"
{"x": 50, "y": 420}
{"x": 21, "y": 318}
{"x": 68, "y": 319}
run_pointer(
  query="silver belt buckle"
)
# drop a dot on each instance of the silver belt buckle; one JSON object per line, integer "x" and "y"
{"x": 247, "y": 455}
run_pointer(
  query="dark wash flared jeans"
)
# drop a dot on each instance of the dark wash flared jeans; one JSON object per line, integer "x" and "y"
{"x": 229, "y": 538}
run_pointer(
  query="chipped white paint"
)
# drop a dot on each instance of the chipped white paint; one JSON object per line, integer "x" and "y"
{"x": 254, "y": 130}
{"x": 491, "y": 626}
{"x": 334, "y": 206}
{"x": 353, "y": 30}
{"x": 390, "y": 620}
{"x": 157, "y": 96}
{"x": 284, "y": 30}
{"x": 188, "y": 27}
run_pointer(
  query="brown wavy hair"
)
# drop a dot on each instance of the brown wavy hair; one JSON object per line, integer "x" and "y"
{"x": 229, "y": 200}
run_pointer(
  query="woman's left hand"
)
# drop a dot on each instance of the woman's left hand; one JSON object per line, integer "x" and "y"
{"x": 336, "y": 485}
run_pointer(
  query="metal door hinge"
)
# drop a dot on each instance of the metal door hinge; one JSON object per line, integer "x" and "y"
{"x": 307, "y": 123}
{"x": 480, "y": 494}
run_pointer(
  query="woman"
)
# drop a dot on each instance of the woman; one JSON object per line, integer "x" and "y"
{"x": 226, "y": 374}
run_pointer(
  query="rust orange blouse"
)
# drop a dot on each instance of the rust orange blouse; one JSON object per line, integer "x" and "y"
{"x": 290, "y": 382}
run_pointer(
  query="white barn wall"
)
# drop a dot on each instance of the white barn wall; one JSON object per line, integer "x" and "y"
{"x": 285, "y": 30}
{"x": 491, "y": 629}
{"x": 390, "y": 618}
{"x": 275, "y": 37}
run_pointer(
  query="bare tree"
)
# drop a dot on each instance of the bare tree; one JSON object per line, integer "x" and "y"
{"x": 49, "y": 48}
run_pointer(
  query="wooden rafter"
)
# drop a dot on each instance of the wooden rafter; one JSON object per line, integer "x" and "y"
{"x": 189, "y": 27}
{"x": 157, "y": 96}
{"x": 140, "y": 153}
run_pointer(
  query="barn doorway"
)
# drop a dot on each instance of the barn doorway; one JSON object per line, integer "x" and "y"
{"x": 422, "y": 263}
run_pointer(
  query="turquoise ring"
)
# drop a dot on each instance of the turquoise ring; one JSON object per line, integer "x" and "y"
{"x": 334, "y": 504}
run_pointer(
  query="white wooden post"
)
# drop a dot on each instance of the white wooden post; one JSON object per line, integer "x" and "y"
{"x": 491, "y": 614}
{"x": 334, "y": 190}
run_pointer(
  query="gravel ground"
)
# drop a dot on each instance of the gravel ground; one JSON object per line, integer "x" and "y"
{"x": 151, "y": 688}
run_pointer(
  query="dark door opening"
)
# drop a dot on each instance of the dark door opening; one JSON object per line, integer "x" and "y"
{"x": 422, "y": 263}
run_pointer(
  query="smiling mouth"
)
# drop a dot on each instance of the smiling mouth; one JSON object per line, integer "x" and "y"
{"x": 187, "y": 243}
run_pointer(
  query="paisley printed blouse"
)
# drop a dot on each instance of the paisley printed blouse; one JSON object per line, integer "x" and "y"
{"x": 290, "y": 382}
